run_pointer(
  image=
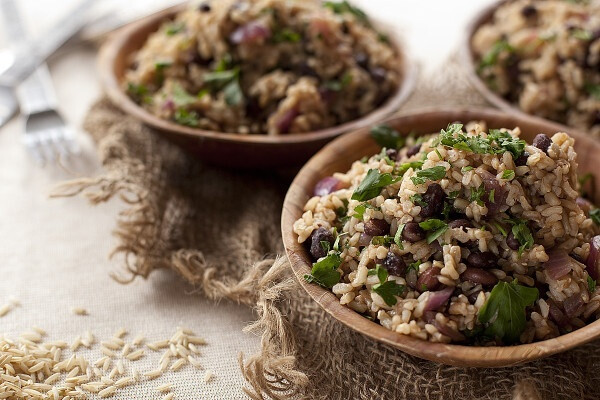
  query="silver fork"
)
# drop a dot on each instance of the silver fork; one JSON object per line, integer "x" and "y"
{"x": 47, "y": 135}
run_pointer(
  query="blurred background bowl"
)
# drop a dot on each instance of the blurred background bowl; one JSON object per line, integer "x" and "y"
{"x": 338, "y": 157}
{"x": 230, "y": 149}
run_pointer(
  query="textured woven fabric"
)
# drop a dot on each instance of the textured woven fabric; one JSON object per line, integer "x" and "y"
{"x": 216, "y": 227}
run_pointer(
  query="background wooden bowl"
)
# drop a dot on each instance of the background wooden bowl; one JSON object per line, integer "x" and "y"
{"x": 228, "y": 149}
{"x": 339, "y": 155}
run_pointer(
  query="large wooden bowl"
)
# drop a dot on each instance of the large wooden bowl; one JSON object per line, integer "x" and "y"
{"x": 339, "y": 155}
{"x": 228, "y": 149}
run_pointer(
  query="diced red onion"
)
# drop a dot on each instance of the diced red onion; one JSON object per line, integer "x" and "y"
{"x": 327, "y": 185}
{"x": 364, "y": 239}
{"x": 284, "y": 123}
{"x": 327, "y": 95}
{"x": 559, "y": 263}
{"x": 322, "y": 26}
{"x": 584, "y": 204}
{"x": 500, "y": 194}
{"x": 168, "y": 105}
{"x": 436, "y": 299}
{"x": 251, "y": 32}
{"x": 593, "y": 261}
{"x": 573, "y": 305}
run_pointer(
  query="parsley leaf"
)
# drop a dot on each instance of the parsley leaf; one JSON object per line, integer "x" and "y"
{"x": 401, "y": 170}
{"x": 343, "y": 7}
{"x": 496, "y": 142}
{"x": 595, "y": 215}
{"x": 491, "y": 197}
{"x": 521, "y": 232}
{"x": 188, "y": 118}
{"x": 434, "y": 174}
{"x": 381, "y": 273}
{"x": 382, "y": 240}
{"x": 591, "y": 284}
{"x": 161, "y": 65}
{"x": 507, "y": 142}
{"x": 466, "y": 169}
{"x": 504, "y": 310}
{"x": 233, "y": 93}
{"x": 398, "y": 236}
{"x": 388, "y": 290}
{"x": 582, "y": 34}
{"x": 220, "y": 78}
{"x": 174, "y": 27}
{"x": 476, "y": 194}
{"x": 491, "y": 57}
{"x": 418, "y": 200}
{"x": 593, "y": 90}
{"x": 387, "y": 137}
{"x": 324, "y": 272}
{"x": 435, "y": 227}
{"x": 286, "y": 35}
{"x": 501, "y": 229}
{"x": 372, "y": 185}
{"x": 508, "y": 174}
{"x": 181, "y": 97}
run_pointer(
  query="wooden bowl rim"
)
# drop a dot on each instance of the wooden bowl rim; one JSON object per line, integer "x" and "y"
{"x": 452, "y": 354}
{"x": 113, "y": 46}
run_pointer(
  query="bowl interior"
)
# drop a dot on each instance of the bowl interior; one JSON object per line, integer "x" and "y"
{"x": 116, "y": 54}
{"x": 339, "y": 155}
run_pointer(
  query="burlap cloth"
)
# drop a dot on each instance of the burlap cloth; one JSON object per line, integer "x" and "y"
{"x": 220, "y": 230}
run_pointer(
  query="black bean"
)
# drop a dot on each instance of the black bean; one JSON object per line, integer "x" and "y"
{"x": 378, "y": 74}
{"x": 460, "y": 223}
{"x": 394, "y": 264}
{"x": 362, "y": 60}
{"x": 204, "y": 7}
{"x": 377, "y": 227}
{"x": 428, "y": 280}
{"x": 512, "y": 242}
{"x": 522, "y": 159}
{"x": 434, "y": 197}
{"x": 305, "y": 69}
{"x": 542, "y": 142}
{"x": 412, "y": 232}
{"x": 318, "y": 236}
{"x": 529, "y": 11}
{"x": 413, "y": 150}
{"x": 479, "y": 276}
{"x": 481, "y": 260}
{"x": 473, "y": 297}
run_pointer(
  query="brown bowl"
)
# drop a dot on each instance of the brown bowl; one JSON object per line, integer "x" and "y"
{"x": 227, "y": 149}
{"x": 338, "y": 157}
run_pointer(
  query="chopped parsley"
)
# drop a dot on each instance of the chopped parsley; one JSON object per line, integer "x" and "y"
{"x": 174, "y": 28}
{"x": 339, "y": 85}
{"x": 521, "y": 232}
{"x": 324, "y": 272}
{"x": 286, "y": 35}
{"x": 161, "y": 65}
{"x": 508, "y": 174}
{"x": 500, "y": 228}
{"x": 433, "y": 174}
{"x": 382, "y": 240}
{"x": 496, "y": 142}
{"x": 388, "y": 291}
{"x": 591, "y": 284}
{"x": 434, "y": 227}
{"x": 415, "y": 265}
{"x": 381, "y": 273}
{"x": 454, "y": 194}
{"x": 372, "y": 185}
{"x": 227, "y": 80}
{"x": 188, "y": 118}
{"x": 595, "y": 215}
{"x": 233, "y": 93}
{"x": 344, "y": 7}
{"x": 181, "y": 97}
{"x": 387, "y": 137}
{"x": 593, "y": 90}
{"x": 476, "y": 194}
{"x": 491, "y": 197}
{"x": 491, "y": 57}
{"x": 582, "y": 34}
{"x": 139, "y": 92}
{"x": 401, "y": 170}
{"x": 504, "y": 310}
{"x": 466, "y": 169}
{"x": 398, "y": 236}
{"x": 418, "y": 200}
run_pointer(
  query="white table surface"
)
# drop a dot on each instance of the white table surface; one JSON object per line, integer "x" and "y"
{"x": 54, "y": 253}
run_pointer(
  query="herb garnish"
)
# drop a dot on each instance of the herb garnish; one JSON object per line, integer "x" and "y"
{"x": 595, "y": 215}
{"x": 491, "y": 57}
{"x": 386, "y": 240}
{"x": 582, "y": 34}
{"x": 434, "y": 174}
{"x": 504, "y": 310}
{"x": 286, "y": 35}
{"x": 508, "y": 174}
{"x": 466, "y": 169}
{"x": 418, "y": 200}
{"x": 591, "y": 284}
{"x": 387, "y": 137}
{"x": 496, "y": 142}
{"x": 139, "y": 92}
{"x": 174, "y": 28}
{"x": 435, "y": 227}
{"x": 360, "y": 209}
{"x": 401, "y": 170}
{"x": 181, "y": 97}
{"x": 521, "y": 232}
{"x": 227, "y": 80}
{"x": 491, "y": 197}
{"x": 476, "y": 194}
{"x": 386, "y": 289}
{"x": 344, "y": 7}
{"x": 372, "y": 185}
{"x": 381, "y": 273}
{"x": 593, "y": 90}
{"x": 398, "y": 236}
{"x": 184, "y": 117}
{"x": 338, "y": 86}
{"x": 324, "y": 272}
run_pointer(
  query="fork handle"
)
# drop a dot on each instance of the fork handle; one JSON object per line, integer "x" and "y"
{"x": 36, "y": 93}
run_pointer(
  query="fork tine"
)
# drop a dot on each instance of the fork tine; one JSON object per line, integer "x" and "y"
{"x": 47, "y": 145}
{"x": 60, "y": 142}
{"x": 34, "y": 146}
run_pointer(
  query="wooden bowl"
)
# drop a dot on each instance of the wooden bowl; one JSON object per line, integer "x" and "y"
{"x": 227, "y": 149}
{"x": 338, "y": 157}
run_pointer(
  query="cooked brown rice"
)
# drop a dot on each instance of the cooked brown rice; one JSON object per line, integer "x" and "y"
{"x": 471, "y": 237}
{"x": 264, "y": 66}
{"x": 544, "y": 56}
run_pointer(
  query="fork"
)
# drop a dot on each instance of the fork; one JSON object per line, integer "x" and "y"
{"x": 47, "y": 135}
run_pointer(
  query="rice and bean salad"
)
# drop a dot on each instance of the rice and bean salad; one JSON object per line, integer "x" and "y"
{"x": 469, "y": 236}
{"x": 265, "y": 66}
{"x": 544, "y": 56}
